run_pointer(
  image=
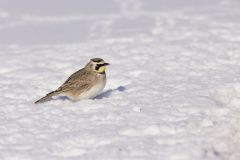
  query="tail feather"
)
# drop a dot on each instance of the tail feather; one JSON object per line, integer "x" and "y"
{"x": 47, "y": 97}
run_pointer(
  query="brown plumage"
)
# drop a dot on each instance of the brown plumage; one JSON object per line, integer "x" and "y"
{"x": 82, "y": 84}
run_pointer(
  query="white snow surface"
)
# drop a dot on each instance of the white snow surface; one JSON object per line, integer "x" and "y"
{"x": 173, "y": 90}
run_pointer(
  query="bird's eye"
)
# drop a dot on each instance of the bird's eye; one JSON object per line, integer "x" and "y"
{"x": 97, "y": 67}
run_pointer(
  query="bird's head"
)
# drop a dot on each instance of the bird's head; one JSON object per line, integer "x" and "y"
{"x": 97, "y": 65}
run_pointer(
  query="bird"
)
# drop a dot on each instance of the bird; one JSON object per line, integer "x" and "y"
{"x": 86, "y": 83}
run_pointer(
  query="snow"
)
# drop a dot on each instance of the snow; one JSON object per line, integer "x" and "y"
{"x": 173, "y": 89}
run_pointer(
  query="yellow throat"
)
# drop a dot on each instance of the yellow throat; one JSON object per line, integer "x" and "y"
{"x": 101, "y": 69}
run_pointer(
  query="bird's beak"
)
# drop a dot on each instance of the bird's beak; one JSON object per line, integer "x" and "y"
{"x": 106, "y": 64}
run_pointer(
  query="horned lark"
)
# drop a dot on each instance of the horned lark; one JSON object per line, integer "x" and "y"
{"x": 86, "y": 83}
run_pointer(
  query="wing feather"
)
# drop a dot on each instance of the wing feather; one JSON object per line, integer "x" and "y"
{"x": 79, "y": 80}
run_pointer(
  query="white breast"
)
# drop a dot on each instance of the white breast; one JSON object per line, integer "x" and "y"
{"x": 94, "y": 91}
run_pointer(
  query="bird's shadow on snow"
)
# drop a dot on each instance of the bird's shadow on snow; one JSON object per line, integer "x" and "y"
{"x": 109, "y": 92}
{"x": 105, "y": 94}
{"x": 63, "y": 98}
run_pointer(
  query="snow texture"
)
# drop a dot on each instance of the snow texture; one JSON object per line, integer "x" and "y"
{"x": 173, "y": 90}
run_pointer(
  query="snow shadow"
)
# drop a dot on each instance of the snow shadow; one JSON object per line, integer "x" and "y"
{"x": 105, "y": 94}
{"x": 109, "y": 92}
